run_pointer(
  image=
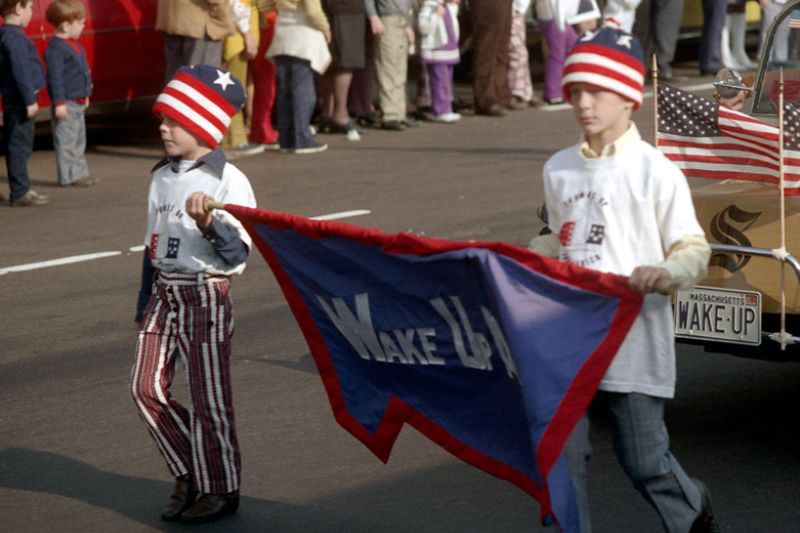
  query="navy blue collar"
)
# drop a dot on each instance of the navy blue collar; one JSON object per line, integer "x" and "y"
{"x": 214, "y": 160}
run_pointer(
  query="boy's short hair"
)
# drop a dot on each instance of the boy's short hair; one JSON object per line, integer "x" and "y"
{"x": 61, "y": 11}
{"x": 8, "y": 6}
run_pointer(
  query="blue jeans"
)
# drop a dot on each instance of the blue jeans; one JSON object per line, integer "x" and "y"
{"x": 295, "y": 102}
{"x": 18, "y": 132}
{"x": 641, "y": 443}
{"x": 710, "y": 40}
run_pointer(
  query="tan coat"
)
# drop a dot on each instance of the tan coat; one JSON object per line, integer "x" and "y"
{"x": 195, "y": 18}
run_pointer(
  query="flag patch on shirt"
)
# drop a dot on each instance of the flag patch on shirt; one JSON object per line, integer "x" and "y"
{"x": 172, "y": 247}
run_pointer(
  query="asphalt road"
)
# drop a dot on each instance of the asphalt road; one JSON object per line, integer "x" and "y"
{"x": 75, "y": 457}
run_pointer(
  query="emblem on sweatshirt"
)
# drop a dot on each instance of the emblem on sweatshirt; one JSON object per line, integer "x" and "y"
{"x": 581, "y": 241}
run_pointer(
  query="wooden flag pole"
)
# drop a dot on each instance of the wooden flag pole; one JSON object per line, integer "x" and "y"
{"x": 782, "y": 251}
{"x": 210, "y": 205}
{"x": 655, "y": 100}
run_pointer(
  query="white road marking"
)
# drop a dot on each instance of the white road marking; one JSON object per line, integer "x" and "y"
{"x": 647, "y": 94}
{"x": 57, "y": 262}
{"x": 140, "y": 248}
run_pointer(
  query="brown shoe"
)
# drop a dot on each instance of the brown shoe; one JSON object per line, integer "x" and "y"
{"x": 517, "y": 104}
{"x": 86, "y": 181}
{"x": 210, "y": 507}
{"x": 30, "y": 199}
{"x": 180, "y": 500}
{"x": 495, "y": 110}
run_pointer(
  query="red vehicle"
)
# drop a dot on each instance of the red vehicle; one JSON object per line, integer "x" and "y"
{"x": 124, "y": 51}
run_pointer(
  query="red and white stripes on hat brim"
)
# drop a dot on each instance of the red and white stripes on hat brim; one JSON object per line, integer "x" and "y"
{"x": 197, "y": 108}
{"x": 606, "y": 68}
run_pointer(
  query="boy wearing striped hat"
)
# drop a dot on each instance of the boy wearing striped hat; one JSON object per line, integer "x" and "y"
{"x": 184, "y": 307}
{"x": 616, "y": 204}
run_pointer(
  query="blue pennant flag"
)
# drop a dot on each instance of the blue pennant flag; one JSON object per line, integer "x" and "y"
{"x": 491, "y": 351}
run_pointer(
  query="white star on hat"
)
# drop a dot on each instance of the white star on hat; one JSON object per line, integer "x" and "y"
{"x": 624, "y": 40}
{"x": 223, "y": 79}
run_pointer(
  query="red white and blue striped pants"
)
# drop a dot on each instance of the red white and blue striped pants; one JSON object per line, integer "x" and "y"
{"x": 190, "y": 317}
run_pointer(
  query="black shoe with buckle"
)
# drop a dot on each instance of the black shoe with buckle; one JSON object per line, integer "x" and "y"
{"x": 180, "y": 500}
{"x": 210, "y": 507}
{"x": 705, "y": 521}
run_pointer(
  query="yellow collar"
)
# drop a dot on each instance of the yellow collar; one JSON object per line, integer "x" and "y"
{"x": 628, "y": 138}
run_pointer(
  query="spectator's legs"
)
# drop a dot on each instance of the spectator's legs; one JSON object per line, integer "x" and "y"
{"x": 285, "y": 103}
{"x": 491, "y": 23}
{"x": 335, "y": 87}
{"x": 658, "y": 24}
{"x": 304, "y": 97}
{"x": 391, "y": 63}
{"x": 264, "y": 73}
{"x": 69, "y": 143}
{"x": 296, "y": 100}
{"x": 780, "y": 48}
{"x": 360, "y": 100}
{"x": 440, "y": 78}
{"x": 519, "y": 71}
{"x": 18, "y": 133}
{"x": 711, "y": 38}
{"x": 558, "y": 44}
{"x": 423, "y": 98}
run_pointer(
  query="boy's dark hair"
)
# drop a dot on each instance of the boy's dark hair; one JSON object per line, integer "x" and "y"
{"x": 62, "y": 11}
{"x": 8, "y": 6}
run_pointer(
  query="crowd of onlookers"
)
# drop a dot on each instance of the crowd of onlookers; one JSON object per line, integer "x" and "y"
{"x": 341, "y": 66}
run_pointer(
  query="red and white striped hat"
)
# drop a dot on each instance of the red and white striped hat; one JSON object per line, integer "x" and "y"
{"x": 202, "y": 99}
{"x": 609, "y": 58}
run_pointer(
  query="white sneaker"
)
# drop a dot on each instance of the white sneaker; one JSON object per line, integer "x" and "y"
{"x": 313, "y": 149}
{"x": 447, "y": 118}
{"x": 244, "y": 150}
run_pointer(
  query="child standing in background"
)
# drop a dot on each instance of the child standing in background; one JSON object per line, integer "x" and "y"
{"x": 21, "y": 77}
{"x": 70, "y": 85}
{"x": 438, "y": 25}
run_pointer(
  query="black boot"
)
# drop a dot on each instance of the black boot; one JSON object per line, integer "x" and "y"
{"x": 210, "y": 507}
{"x": 705, "y": 521}
{"x": 179, "y": 500}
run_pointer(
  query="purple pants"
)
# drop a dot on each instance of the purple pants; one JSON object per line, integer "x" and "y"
{"x": 558, "y": 44}
{"x": 440, "y": 78}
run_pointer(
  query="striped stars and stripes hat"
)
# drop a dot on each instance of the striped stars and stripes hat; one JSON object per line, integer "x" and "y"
{"x": 609, "y": 58}
{"x": 202, "y": 99}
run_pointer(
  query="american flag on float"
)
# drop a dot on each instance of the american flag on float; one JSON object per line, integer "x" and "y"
{"x": 794, "y": 19}
{"x": 707, "y": 140}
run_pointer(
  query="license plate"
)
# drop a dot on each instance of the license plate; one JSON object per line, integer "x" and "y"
{"x": 725, "y": 315}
